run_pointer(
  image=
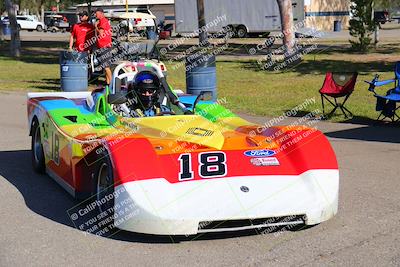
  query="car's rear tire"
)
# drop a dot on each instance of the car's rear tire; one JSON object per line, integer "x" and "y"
{"x": 38, "y": 161}
{"x": 19, "y": 27}
{"x": 39, "y": 28}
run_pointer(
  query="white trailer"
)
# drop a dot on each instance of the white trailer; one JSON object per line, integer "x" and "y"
{"x": 243, "y": 16}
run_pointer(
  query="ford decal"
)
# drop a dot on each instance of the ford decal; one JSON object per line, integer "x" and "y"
{"x": 259, "y": 153}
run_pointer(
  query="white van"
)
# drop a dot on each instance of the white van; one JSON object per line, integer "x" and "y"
{"x": 28, "y": 23}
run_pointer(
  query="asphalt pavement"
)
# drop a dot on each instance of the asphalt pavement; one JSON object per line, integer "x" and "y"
{"x": 35, "y": 229}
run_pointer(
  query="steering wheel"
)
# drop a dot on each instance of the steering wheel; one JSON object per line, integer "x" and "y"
{"x": 162, "y": 113}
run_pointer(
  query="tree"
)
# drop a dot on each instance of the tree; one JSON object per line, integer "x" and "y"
{"x": 35, "y": 6}
{"x": 15, "y": 44}
{"x": 286, "y": 12}
{"x": 362, "y": 25}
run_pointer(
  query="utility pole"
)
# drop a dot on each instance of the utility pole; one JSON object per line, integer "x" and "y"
{"x": 203, "y": 38}
{"x": 89, "y": 4}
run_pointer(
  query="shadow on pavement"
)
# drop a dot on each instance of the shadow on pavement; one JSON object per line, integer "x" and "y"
{"x": 387, "y": 134}
{"x": 41, "y": 194}
{"x": 45, "y": 197}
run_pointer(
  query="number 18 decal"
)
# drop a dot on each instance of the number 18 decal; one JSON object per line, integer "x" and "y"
{"x": 211, "y": 165}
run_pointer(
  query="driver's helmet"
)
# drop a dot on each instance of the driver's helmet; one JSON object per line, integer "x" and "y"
{"x": 147, "y": 85}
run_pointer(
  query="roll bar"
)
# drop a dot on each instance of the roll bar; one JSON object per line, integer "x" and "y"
{"x": 150, "y": 65}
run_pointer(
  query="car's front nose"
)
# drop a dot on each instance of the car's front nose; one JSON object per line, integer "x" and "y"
{"x": 156, "y": 206}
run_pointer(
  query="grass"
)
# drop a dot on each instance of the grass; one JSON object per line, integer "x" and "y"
{"x": 251, "y": 90}
{"x": 23, "y": 76}
{"x": 246, "y": 87}
{"x": 37, "y": 69}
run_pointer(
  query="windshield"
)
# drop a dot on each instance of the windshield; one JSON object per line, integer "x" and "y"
{"x": 135, "y": 38}
{"x": 133, "y": 30}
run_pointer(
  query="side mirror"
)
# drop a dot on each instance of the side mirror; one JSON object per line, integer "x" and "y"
{"x": 117, "y": 98}
{"x": 206, "y": 96}
{"x": 203, "y": 96}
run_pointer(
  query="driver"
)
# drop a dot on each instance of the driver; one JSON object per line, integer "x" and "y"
{"x": 146, "y": 96}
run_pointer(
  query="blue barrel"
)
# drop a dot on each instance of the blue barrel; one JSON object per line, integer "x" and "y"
{"x": 337, "y": 26}
{"x": 5, "y": 25}
{"x": 201, "y": 74}
{"x": 74, "y": 71}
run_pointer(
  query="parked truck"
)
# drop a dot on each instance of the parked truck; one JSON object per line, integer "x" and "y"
{"x": 243, "y": 17}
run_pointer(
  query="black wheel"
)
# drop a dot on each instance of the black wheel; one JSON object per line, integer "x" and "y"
{"x": 241, "y": 31}
{"x": 38, "y": 163}
{"x": 39, "y": 28}
{"x": 104, "y": 186}
{"x": 19, "y": 27}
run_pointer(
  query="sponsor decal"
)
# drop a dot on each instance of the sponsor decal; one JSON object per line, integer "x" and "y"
{"x": 148, "y": 81}
{"x": 244, "y": 189}
{"x": 271, "y": 161}
{"x": 259, "y": 153}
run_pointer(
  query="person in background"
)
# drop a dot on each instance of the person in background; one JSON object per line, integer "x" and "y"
{"x": 81, "y": 33}
{"x": 104, "y": 43}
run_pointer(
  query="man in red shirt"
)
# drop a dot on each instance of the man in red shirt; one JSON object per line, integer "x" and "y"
{"x": 82, "y": 33}
{"x": 104, "y": 43}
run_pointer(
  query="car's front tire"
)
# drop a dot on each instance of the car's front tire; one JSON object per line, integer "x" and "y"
{"x": 38, "y": 161}
{"x": 103, "y": 192}
{"x": 39, "y": 28}
{"x": 104, "y": 185}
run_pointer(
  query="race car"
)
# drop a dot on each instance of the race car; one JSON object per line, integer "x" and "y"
{"x": 194, "y": 168}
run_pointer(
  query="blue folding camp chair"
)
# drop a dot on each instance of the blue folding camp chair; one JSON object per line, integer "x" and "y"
{"x": 387, "y": 104}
